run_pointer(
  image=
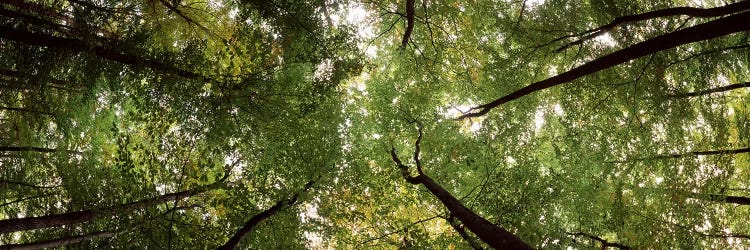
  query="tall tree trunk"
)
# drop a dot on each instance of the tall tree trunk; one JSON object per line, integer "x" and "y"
{"x": 409, "y": 23}
{"x": 71, "y": 218}
{"x": 258, "y": 218}
{"x": 738, "y": 200}
{"x": 713, "y": 29}
{"x": 60, "y": 242}
{"x": 33, "y": 149}
{"x": 683, "y": 11}
{"x": 462, "y": 232}
{"x": 81, "y": 46}
{"x": 495, "y": 236}
{"x": 26, "y": 110}
{"x": 712, "y": 90}
{"x": 693, "y": 153}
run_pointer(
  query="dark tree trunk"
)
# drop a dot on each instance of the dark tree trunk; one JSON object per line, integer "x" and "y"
{"x": 694, "y": 153}
{"x": 713, "y": 29}
{"x": 409, "y": 22}
{"x": 100, "y": 51}
{"x": 258, "y": 218}
{"x": 71, "y": 218}
{"x": 25, "y": 110}
{"x": 677, "y": 11}
{"x": 738, "y": 200}
{"x": 462, "y": 232}
{"x": 489, "y": 233}
{"x": 30, "y": 149}
{"x": 713, "y": 90}
{"x": 57, "y": 242}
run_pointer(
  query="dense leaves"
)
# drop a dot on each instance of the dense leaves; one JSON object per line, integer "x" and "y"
{"x": 389, "y": 124}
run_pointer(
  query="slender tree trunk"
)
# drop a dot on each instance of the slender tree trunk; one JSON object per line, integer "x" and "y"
{"x": 44, "y": 11}
{"x": 491, "y": 234}
{"x": 25, "y": 110}
{"x": 80, "y": 46}
{"x": 683, "y": 11}
{"x": 409, "y": 23}
{"x": 258, "y": 218}
{"x": 713, "y": 90}
{"x": 60, "y": 242}
{"x": 694, "y": 153}
{"x": 71, "y": 218}
{"x": 31, "y": 149}
{"x": 738, "y": 200}
{"x": 713, "y": 29}
{"x": 495, "y": 236}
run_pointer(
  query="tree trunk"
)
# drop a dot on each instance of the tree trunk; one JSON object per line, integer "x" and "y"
{"x": 101, "y": 51}
{"x": 694, "y": 153}
{"x": 713, "y": 29}
{"x": 31, "y": 149}
{"x": 55, "y": 243}
{"x": 25, "y": 110}
{"x": 738, "y": 200}
{"x": 684, "y": 11}
{"x": 491, "y": 234}
{"x": 71, "y": 218}
{"x": 258, "y": 218}
{"x": 712, "y": 90}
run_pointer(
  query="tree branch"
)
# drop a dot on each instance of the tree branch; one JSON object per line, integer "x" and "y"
{"x": 705, "y": 31}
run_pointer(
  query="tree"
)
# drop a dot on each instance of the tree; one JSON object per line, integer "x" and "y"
{"x": 619, "y": 124}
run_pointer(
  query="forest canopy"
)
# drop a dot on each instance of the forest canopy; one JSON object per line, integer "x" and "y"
{"x": 407, "y": 124}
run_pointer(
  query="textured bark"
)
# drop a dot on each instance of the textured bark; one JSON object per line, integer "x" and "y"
{"x": 678, "y": 11}
{"x": 495, "y": 236}
{"x": 491, "y": 234}
{"x": 57, "y": 242}
{"x": 46, "y": 12}
{"x": 258, "y": 218}
{"x": 462, "y": 232}
{"x": 80, "y": 46}
{"x": 738, "y": 200}
{"x": 71, "y": 218}
{"x": 693, "y": 153}
{"x": 31, "y": 149}
{"x": 713, "y": 29}
{"x": 25, "y": 110}
{"x": 409, "y": 22}
{"x": 713, "y": 90}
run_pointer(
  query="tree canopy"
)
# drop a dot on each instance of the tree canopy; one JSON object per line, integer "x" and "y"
{"x": 308, "y": 124}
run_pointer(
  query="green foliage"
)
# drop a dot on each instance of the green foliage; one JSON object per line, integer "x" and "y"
{"x": 266, "y": 96}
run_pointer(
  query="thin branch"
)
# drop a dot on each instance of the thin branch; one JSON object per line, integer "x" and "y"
{"x": 604, "y": 243}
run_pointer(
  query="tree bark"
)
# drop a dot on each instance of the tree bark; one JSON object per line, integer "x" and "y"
{"x": 489, "y": 233}
{"x": 258, "y": 218}
{"x": 81, "y": 46}
{"x": 693, "y": 153}
{"x": 684, "y": 11}
{"x": 55, "y": 243}
{"x": 462, "y": 232}
{"x": 738, "y": 200}
{"x": 71, "y": 218}
{"x": 409, "y": 23}
{"x": 33, "y": 149}
{"x": 26, "y": 110}
{"x": 713, "y": 29}
{"x": 713, "y": 90}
